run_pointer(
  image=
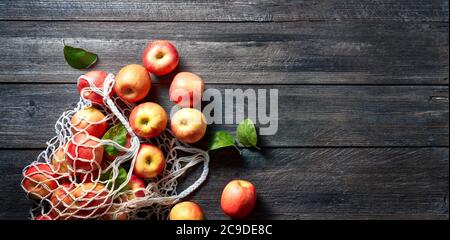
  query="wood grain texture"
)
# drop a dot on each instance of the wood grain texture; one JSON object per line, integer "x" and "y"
{"x": 308, "y": 115}
{"x": 363, "y": 101}
{"x": 251, "y": 53}
{"x": 293, "y": 183}
{"x": 215, "y": 10}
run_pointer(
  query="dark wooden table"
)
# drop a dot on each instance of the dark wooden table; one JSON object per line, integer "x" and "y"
{"x": 363, "y": 94}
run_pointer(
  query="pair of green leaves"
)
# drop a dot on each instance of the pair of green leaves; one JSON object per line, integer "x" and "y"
{"x": 117, "y": 133}
{"x": 245, "y": 132}
{"x": 79, "y": 58}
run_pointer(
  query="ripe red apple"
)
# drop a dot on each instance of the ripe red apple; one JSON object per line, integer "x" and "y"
{"x": 98, "y": 79}
{"x": 39, "y": 180}
{"x": 133, "y": 83}
{"x": 61, "y": 201}
{"x": 137, "y": 186}
{"x": 160, "y": 57}
{"x": 89, "y": 120}
{"x": 90, "y": 200}
{"x": 59, "y": 162}
{"x": 86, "y": 177}
{"x": 150, "y": 161}
{"x": 148, "y": 120}
{"x": 84, "y": 153}
{"x": 238, "y": 199}
{"x": 113, "y": 214}
{"x": 43, "y": 217}
{"x": 188, "y": 125}
{"x": 186, "y": 211}
{"x": 186, "y": 89}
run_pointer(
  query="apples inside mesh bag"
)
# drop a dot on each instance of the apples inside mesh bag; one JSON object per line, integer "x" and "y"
{"x": 74, "y": 179}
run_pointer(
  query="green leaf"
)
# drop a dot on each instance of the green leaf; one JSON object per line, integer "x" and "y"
{"x": 121, "y": 178}
{"x": 221, "y": 139}
{"x": 79, "y": 58}
{"x": 118, "y": 134}
{"x": 246, "y": 133}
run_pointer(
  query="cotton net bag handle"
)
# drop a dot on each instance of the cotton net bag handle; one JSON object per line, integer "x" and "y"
{"x": 167, "y": 141}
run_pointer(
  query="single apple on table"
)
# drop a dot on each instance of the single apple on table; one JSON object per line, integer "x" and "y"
{"x": 148, "y": 120}
{"x": 186, "y": 89}
{"x": 39, "y": 180}
{"x": 133, "y": 83}
{"x": 186, "y": 211}
{"x": 150, "y": 162}
{"x": 188, "y": 125}
{"x": 98, "y": 79}
{"x": 84, "y": 153}
{"x": 160, "y": 57}
{"x": 238, "y": 199}
{"x": 89, "y": 120}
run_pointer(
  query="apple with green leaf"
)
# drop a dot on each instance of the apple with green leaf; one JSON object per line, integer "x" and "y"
{"x": 119, "y": 134}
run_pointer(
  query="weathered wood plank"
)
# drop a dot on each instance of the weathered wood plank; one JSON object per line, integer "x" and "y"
{"x": 201, "y": 10}
{"x": 252, "y": 53}
{"x": 311, "y": 183}
{"x": 308, "y": 115}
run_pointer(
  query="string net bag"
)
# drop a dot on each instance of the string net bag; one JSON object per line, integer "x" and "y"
{"x": 67, "y": 181}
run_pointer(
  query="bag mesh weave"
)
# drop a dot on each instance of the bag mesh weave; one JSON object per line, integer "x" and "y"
{"x": 67, "y": 186}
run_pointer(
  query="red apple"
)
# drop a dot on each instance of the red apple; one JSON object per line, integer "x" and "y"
{"x": 238, "y": 199}
{"x": 136, "y": 185}
{"x": 86, "y": 177}
{"x": 91, "y": 200}
{"x": 148, "y": 120}
{"x": 39, "y": 180}
{"x": 113, "y": 214}
{"x": 133, "y": 83}
{"x": 59, "y": 161}
{"x": 61, "y": 201}
{"x": 89, "y": 120}
{"x": 160, "y": 57}
{"x": 150, "y": 161}
{"x": 186, "y": 89}
{"x": 98, "y": 79}
{"x": 188, "y": 125}
{"x": 84, "y": 153}
{"x": 43, "y": 217}
{"x": 186, "y": 211}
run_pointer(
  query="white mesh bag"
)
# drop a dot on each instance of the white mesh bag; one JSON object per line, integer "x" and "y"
{"x": 67, "y": 179}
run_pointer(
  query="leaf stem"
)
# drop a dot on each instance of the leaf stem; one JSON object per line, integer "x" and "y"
{"x": 239, "y": 150}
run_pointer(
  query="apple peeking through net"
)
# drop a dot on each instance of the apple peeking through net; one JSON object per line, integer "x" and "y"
{"x": 111, "y": 159}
